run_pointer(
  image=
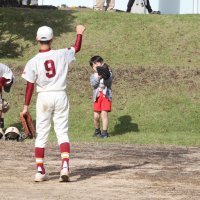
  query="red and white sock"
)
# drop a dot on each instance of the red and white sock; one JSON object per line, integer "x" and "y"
{"x": 65, "y": 150}
{"x": 39, "y": 157}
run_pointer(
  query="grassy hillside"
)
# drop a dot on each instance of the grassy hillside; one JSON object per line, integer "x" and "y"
{"x": 165, "y": 40}
{"x": 155, "y": 63}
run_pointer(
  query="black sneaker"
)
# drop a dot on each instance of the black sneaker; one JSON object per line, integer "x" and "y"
{"x": 104, "y": 135}
{"x": 97, "y": 133}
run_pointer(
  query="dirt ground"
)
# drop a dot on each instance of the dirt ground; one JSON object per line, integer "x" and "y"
{"x": 102, "y": 172}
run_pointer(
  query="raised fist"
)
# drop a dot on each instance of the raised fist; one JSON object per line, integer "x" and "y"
{"x": 80, "y": 29}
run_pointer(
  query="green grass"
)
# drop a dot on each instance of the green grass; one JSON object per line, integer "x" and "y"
{"x": 155, "y": 63}
{"x": 123, "y": 39}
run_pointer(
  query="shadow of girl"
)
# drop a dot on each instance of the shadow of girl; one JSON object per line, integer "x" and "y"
{"x": 124, "y": 126}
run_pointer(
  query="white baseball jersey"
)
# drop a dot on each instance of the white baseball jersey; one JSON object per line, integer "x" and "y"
{"x": 6, "y": 72}
{"x": 49, "y": 69}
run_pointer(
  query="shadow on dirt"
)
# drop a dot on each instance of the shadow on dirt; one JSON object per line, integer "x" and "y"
{"x": 124, "y": 126}
{"x": 87, "y": 173}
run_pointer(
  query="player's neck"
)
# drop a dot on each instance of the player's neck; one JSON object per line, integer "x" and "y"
{"x": 44, "y": 48}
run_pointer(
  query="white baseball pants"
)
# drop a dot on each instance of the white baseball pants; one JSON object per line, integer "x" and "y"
{"x": 56, "y": 105}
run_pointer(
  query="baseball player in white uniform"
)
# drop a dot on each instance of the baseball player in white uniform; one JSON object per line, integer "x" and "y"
{"x": 6, "y": 80}
{"x": 6, "y": 77}
{"x": 48, "y": 70}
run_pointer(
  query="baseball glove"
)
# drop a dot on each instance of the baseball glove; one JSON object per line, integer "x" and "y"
{"x": 104, "y": 71}
{"x": 27, "y": 124}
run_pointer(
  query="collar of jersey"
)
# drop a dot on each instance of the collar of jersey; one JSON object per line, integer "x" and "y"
{"x": 42, "y": 51}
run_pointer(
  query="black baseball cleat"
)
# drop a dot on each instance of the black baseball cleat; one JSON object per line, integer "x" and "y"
{"x": 104, "y": 135}
{"x": 97, "y": 133}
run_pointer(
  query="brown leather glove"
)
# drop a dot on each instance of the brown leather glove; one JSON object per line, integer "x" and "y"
{"x": 27, "y": 124}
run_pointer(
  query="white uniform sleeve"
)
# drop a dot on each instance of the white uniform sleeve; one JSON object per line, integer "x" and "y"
{"x": 6, "y": 72}
{"x": 71, "y": 55}
{"x": 29, "y": 73}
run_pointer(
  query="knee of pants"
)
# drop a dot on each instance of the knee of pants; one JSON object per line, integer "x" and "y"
{"x": 41, "y": 141}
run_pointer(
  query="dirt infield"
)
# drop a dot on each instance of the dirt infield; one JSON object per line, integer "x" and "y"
{"x": 102, "y": 171}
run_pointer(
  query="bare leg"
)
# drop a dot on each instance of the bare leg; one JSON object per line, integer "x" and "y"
{"x": 97, "y": 120}
{"x": 99, "y": 5}
{"x": 110, "y": 5}
{"x": 129, "y": 5}
{"x": 104, "y": 116}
